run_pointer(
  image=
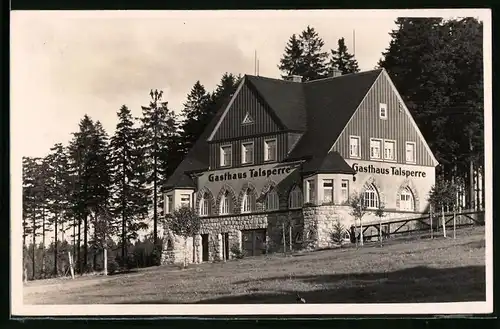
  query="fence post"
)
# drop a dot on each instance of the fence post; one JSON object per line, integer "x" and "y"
{"x": 432, "y": 230}
{"x": 454, "y": 223}
{"x": 105, "y": 261}
{"x": 443, "y": 221}
{"x": 290, "y": 237}
{"x": 284, "y": 240}
{"x": 380, "y": 232}
{"x": 71, "y": 265}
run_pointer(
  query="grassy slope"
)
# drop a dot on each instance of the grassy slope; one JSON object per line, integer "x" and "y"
{"x": 441, "y": 270}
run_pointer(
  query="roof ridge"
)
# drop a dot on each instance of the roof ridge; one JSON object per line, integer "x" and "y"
{"x": 343, "y": 75}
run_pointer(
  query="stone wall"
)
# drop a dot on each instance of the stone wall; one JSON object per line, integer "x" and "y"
{"x": 215, "y": 227}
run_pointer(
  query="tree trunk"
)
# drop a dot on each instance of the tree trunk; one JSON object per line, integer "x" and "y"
{"x": 55, "y": 243}
{"x": 284, "y": 239}
{"x": 43, "y": 242}
{"x": 478, "y": 191}
{"x": 85, "y": 241}
{"x": 361, "y": 231}
{"x": 443, "y": 221}
{"x": 78, "y": 249}
{"x": 34, "y": 244}
{"x": 185, "y": 251}
{"x": 155, "y": 200}
{"x": 483, "y": 195}
{"x": 74, "y": 235}
{"x": 105, "y": 261}
{"x": 124, "y": 252}
{"x": 430, "y": 218}
{"x": 290, "y": 237}
{"x": 471, "y": 177}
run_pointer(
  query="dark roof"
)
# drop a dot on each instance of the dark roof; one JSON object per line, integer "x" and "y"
{"x": 286, "y": 99}
{"x": 320, "y": 108}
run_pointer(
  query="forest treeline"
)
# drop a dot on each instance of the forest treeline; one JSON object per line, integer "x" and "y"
{"x": 100, "y": 191}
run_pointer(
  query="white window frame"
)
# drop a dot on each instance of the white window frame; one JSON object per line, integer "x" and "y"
{"x": 266, "y": 149}
{"x": 328, "y": 191}
{"x": 248, "y": 202}
{"x": 381, "y": 141}
{"x": 222, "y": 153}
{"x": 185, "y": 195}
{"x": 394, "y": 149}
{"x": 204, "y": 205}
{"x": 406, "y": 193}
{"x": 310, "y": 186}
{"x": 414, "y": 152}
{"x": 295, "y": 198}
{"x": 272, "y": 200}
{"x": 345, "y": 197}
{"x": 358, "y": 138}
{"x": 169, "y": 203}
{"x": 382, "y": 108}
{"x": 224, "y": 205}
{"x": 243, "y": 149}
{"x": 372, "y": 191}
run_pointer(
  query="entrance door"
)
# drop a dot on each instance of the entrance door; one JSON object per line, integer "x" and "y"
{"x": 254, "y": 242}
{"x": 204, "y": 247}
{"x": 226, "y": 245}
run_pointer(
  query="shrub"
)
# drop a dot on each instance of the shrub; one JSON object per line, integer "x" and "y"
{"x": 237, "y": 252}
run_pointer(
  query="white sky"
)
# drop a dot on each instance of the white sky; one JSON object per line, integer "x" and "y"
{"x": 67, "y": 64}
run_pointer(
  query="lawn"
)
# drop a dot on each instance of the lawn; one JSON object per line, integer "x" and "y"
{"x": 424, "y": 270}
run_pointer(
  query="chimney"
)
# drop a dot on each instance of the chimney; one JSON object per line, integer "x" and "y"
{"x": 335, "y": 72}
{"x": 294, "y": 78}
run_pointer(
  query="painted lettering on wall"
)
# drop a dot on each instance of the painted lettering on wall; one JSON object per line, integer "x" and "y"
{"x": 394, "y": 171}
{"x": 251, "y": 173}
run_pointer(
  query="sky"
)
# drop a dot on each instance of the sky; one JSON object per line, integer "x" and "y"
{"x": 65, "y": 64}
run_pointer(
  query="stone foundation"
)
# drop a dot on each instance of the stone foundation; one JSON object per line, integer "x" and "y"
{"x": 311, "y": 228}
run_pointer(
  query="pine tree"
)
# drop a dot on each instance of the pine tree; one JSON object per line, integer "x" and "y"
{"x": 129, "y": 190}
{"x": 292, "y": 62}
{"x": 157, "y": 129}
{"x": 58, "y": 191}
{"x": 195, "y": 114}
{"x": 343, "y": 60}
{"x": 304, "y": 56}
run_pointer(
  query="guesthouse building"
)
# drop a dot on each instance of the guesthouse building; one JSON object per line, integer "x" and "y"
{"x": 280, "y": 161}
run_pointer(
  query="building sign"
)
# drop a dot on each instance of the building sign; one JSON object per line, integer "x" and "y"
{"x": 250, "y": 173}
{"x": 393, "y": 170}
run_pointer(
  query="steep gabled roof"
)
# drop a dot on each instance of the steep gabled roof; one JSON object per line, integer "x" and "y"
{"x": 285, "y": 98}
{"x": 320, "y": 108}
{"x": 330, "y": 104}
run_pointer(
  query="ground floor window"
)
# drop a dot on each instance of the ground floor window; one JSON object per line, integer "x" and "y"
{"x": 204, "y": 205}
{"x": 272, "y": 200}
{"x": 295, "y": 199}
{"x": 370, "y": 197}
{"x": 248, "y": 202}
{"x": 225, "y": 206}
{"x": 406, "y": 201}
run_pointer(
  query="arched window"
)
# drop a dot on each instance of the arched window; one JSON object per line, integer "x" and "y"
{"x": 205, "y": 205}
{"x": 370, "y": 197}
{"x": 226, "y": 206}
{"x": 406, "y": 200}
{"x": 295, "y": 199}
{"x": 272, "y": 200}
{"x": 248, "y": 201}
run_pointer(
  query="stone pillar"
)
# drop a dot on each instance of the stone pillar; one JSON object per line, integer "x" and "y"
{"x": 219, "y": 247}
{"x": 198, "y": 250}
{"x": 238, "y": 240}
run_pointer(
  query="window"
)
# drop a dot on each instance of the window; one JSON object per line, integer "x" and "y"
{"x": 295, "y": 198}
{"x": 168, "y": 204}
{"x": 375, "y": 148}
{"x": 270, "y": 150}
{"x": 370, "y": 197}
{"x": 406, "y": 200}
{"x": 344, "y": 190}
{"x": 354, "y": 146}
{"x": 247, "y": 153}
{"x": 272, "y": 200}
{"x": 383, "y": 111}
{"x": 225, "y": 206}
{"x": 327, "y": 190}
{"x": 225, "y": 155}
{"x": 185, "y": 200}
{"x": 248, "y": 202}
{"x": 410, "y": 152}
{"x": 311, "y": 191}
{"x": 389, "y": 149}
{"x": 204, "y": 205}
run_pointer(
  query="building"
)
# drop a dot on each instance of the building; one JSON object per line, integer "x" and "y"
{"x": 293, "y": 152}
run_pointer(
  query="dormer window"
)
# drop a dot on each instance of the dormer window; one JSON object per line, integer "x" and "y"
{"x": 225, "y": 155}
{"x": 383, "y": 111}
{"x": 270, "y": 149}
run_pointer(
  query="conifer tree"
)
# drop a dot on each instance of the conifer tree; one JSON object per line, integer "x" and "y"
{"x": 343, "y": 60}
{"x": 157, "y": 129}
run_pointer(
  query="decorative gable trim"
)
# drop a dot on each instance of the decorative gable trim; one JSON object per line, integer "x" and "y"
{"x": 402, "y": 106}
{"x": 226, "y": 110}
{"x": 247, "y": 120}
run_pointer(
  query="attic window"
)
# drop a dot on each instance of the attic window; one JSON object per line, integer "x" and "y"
{"x": 247, "y": 120}
{"x": 383, "y": 111}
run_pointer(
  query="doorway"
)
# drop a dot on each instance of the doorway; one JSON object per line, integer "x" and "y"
{"x": 204, "y": 247}
{"x": 254, "y": 242}
{"x": 225, "y": 241}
